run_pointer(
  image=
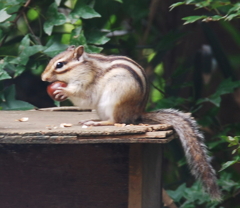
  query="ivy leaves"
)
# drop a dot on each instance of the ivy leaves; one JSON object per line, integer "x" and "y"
{"x": 227, "y": 86}
{"x": 215, "y": 10}
{"x": 53, "y": 18}
{"x": 4, "y": 15}
{"x": 16, "y": 65}
{"x": 235, "y": 145}
{"x": 12, "y": 66}
{"x": 84, "y": 11}
{"x": 10, "y": 103}
{"x": 30, "y": 33}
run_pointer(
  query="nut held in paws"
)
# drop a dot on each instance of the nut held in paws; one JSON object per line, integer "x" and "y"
{"x": 53, "y": 87}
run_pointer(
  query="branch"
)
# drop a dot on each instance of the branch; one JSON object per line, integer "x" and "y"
{"x": 158, "y": 89}
{"x": 31, "y": 31}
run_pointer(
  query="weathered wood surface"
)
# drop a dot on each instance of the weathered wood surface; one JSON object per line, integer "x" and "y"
{"x": 64, "y": 176}
{"x": 44, "y": 127}
{"x": 79, "y": 175}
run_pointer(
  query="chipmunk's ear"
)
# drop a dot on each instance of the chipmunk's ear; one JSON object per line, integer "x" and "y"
{"x": 78, "y": 52}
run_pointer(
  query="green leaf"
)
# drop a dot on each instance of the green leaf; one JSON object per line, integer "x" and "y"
{"x": 192, "y": 19}
{"x": 78, "y": 37}
{"x": 234, "y": 151}
{"x": 189, "y": 1}
{"x": 226, "y": 182}
{"x": 57, "y": 103}
{"x": 84, "y": 11}
{"x": 227, "y": 86}
{"x": 214, "y": 144}
{"x": 215, "y": 99}
{"x": 202, "y": 4}
{"x": 235, "y": 8}
{"x": 176, "y": 5}
{"x": 232, "y": 139}
{"x": 87, "y": 12}
{"x": 10, "y": 103}
{"x": 13, "y": 9}
{"x": 120, "y": 1}
{"x": 53, "y": 17}
{"x": 58, "y": 2}
{"x": 29, "y": 51}
{"x": 228, "y": 164}
{"x": 13, "y": 5}
{"x": 93, "y": 49}
{"x": 178, "y": 193}
{"x": 4, "y": 15}
{"x": 3, "y": 74}
{"x": 19, "y": 70}
{"x": 24, "y": 43}
{"x": 54, "y": 47}
{"x": 231, "y": 16}
{"x": 17, "y": 65}
{"x": 14, "y": 2}
{"x": 97, "y": 38}
{"x": 215, "y": 18}
{"x": 25, "y": 51}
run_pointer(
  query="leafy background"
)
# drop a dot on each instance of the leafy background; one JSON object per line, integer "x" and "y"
{"x": 190, "y": 50}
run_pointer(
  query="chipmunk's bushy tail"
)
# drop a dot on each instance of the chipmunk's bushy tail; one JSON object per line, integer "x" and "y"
{"x": 193, "y": 144}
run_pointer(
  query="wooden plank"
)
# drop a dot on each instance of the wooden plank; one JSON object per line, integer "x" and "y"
{"x": 49, "y": 123}
{"x": 40, "y": 129}
{"x": 135, "y": 176}
{"x": 152, "y": 176}
{"x": 149, "y": 137}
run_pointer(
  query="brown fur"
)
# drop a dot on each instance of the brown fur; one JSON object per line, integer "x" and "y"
{"x": 117, "y": 88}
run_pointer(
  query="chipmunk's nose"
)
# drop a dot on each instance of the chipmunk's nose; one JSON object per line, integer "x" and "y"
{"x": 51, "y": 78}
{"x": 45, "y": 78}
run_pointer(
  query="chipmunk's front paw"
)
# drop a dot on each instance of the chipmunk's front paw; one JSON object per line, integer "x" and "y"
{"x": 57, "y": 91}
{"x": 60, "y": 94}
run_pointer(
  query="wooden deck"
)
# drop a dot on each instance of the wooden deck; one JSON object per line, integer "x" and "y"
{"x": 137, "y": 184}
{"x": 46, "y": 127}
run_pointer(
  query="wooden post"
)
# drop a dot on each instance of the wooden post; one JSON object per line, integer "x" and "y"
{"x": 152, "y": 176}
{"x": 145, "y": 176}
{"x": 135, "y": 176}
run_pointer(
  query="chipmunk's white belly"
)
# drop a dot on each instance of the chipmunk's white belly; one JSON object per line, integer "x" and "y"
{"x": 84, "y": 103}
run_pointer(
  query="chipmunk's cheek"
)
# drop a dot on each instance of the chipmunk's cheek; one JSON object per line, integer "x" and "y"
{"x": 54, "y": 92}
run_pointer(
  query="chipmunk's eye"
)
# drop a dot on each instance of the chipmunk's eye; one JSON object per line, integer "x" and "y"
{"x": 59, "y": 65}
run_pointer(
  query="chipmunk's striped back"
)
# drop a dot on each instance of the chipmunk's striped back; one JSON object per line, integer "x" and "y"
{"x": 123, "y": 74}
{"x": 111, "y": 63}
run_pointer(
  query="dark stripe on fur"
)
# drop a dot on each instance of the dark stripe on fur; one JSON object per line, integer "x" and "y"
{"x": 131, "y": 71}
{"x": 111, "y": 58}
{"x": 102, "y": 58}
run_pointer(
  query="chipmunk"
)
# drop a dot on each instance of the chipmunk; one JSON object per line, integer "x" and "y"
{"x": 117, "y": 88}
